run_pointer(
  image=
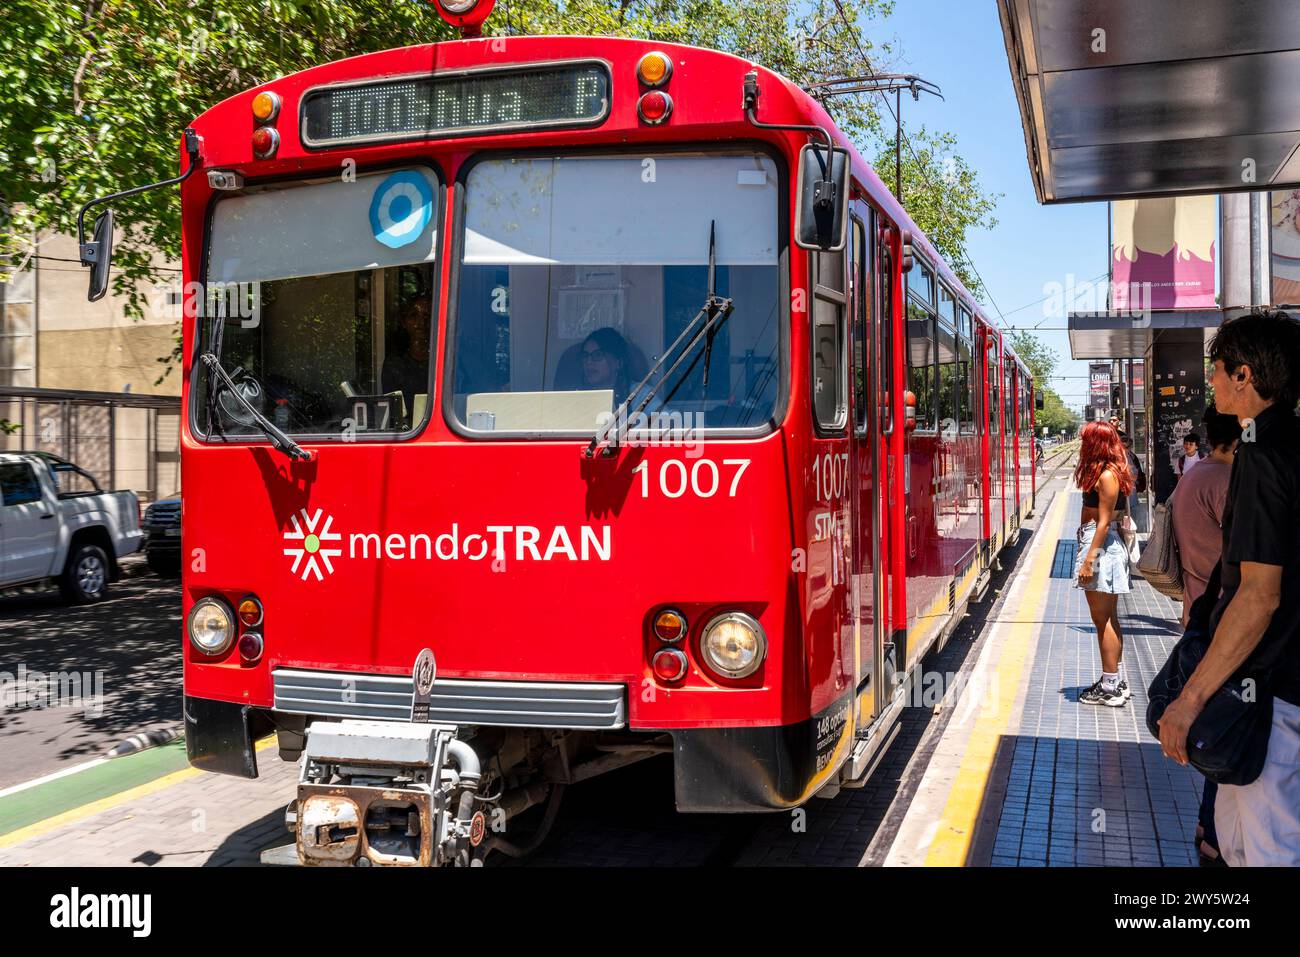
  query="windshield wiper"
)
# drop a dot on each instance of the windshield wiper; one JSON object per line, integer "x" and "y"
{"x": 281, "y": 441}
{"x": 715, "y": 311}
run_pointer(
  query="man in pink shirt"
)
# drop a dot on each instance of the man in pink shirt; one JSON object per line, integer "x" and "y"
{"x": 1197, "y": 505}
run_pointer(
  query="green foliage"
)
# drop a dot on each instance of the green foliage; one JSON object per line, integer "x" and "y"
{"x": 1055, "y": 415}
{"x": 1042, "y": 361}
{"x": 1036, "y": 354}
{"x": 941, "y": 192}
{"x": 7, "y": 427}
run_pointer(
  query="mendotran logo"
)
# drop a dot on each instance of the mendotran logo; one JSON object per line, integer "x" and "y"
{"x": 313, "y": 544}
{"x": 313, "y": 534}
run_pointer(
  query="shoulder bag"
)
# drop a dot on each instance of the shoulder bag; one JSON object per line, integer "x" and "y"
{"x": 1228, "y": 741}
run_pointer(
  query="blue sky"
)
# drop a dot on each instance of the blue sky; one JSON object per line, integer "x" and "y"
{"x": 958, "y": 45}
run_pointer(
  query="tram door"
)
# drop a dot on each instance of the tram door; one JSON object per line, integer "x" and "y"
{"x": 869, "y": 545}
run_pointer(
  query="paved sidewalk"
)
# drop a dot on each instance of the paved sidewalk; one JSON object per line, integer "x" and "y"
{"x": 1089, "y": 785}
{"x": 1063, "y": 784}
{"x": 188, "y": 818}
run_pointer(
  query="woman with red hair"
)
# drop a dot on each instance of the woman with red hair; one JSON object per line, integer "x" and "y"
{"x": 1101, "y": 566}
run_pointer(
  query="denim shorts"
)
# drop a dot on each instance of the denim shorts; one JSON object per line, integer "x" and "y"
{"x": 1110, "y": 572}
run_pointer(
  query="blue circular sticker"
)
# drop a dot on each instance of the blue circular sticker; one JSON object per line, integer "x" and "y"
{"x": 401, "y": 209}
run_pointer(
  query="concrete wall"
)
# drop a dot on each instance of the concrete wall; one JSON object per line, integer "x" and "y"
{"x": 94, "y": 345}
{"x": 52, "y": 338}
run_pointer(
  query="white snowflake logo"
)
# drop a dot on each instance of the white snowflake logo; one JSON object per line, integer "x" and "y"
{"x": 312, "y": 544}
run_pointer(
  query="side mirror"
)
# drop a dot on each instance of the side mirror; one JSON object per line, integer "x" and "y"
{"x": 905, "y": 256}
{"x": 98, "y": 255}
{"x": 823, "y": 200}
{"x": 1040, "y": 401}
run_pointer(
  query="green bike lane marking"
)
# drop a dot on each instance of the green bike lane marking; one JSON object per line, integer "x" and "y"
{"x": 68, "y": 793}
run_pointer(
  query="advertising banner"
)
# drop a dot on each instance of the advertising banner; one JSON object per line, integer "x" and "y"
{"x": 1162, "y": 253}
{"x": 1286, "y": 247}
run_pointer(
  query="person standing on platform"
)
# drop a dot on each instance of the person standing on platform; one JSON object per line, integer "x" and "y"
{"x": 1197, "y": 506}
{"x": 1191, "y": 454}
{"x": 1256, "y": 618}
{"x": 1102, "y": 563}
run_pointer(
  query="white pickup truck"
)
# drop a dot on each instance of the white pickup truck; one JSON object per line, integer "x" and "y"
{"x": 57, "y": 523}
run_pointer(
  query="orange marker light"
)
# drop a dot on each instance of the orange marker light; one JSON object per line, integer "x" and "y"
{"x": 250, "y": 611}
{"x": 654, "y": 69}
{"x": 670, "y": 625}
{"x": 266, "y": 106}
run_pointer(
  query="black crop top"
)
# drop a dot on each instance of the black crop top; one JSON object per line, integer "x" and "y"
{"x": 1093, "y": 500}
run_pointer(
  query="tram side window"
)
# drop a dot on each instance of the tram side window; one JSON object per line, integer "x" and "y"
{"x": 885, "y": 294}
{"x": 922, "y": 347}
{"x": 1009, "y": 402}
{"x": 828, "y": 341}
{"x": 949, "y": 386}
{"x": 995, "y": 394}
{"x": 966, "y": 374}
{"x": 861, "y": 313}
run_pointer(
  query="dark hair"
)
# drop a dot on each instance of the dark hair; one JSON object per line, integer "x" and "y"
{"x": 1192, "y": 437}
{"x": 1222, "y": 430}
{"x": 612, "y": 343}
{"x": 1267, "y": 340}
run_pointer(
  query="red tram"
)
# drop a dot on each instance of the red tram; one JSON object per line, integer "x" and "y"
{"x": 461, "y": 528}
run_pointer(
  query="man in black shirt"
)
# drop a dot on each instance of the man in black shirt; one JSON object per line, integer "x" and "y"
{"x": 1256, "y": 377}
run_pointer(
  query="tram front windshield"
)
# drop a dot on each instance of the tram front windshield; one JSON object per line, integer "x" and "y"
{"x": 577, "y": 273}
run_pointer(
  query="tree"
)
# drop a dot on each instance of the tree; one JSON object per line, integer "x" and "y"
{"x": 1036, "y": 354}
{"x": 99, "y": 91}
{"x": 1041, "y": 361}
{"x": 942, "y": 194}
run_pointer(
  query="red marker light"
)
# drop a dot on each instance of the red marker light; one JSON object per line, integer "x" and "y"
{"x": 265, "y": 141}
{"x": 655, "y": 107}
{"x": 250, "y": 646}
{"x": 668, "y": 665}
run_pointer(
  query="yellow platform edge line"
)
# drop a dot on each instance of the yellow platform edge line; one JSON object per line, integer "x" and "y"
{"x": 952, "y": 840}
{"x": 111, "y": 801}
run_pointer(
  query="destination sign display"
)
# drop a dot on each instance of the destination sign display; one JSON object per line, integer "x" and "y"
{"x": 430, "y": 107}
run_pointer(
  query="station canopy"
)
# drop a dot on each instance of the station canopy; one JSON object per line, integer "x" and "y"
{"x": 1132, "y": 98}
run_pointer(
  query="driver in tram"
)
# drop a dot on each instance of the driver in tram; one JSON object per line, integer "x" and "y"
{"x": 406, "y": 368}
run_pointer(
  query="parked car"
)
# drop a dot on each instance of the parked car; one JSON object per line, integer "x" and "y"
{"x": 57, "y": 523}
{"x": 162, "y": 536}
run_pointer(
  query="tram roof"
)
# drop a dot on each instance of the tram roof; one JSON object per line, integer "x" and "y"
{"x": 1130, "y": 98}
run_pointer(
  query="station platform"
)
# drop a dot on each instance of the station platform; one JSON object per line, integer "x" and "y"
{"x": 1025, "y": 775}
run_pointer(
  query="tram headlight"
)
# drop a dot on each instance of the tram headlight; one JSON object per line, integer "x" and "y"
{"x": 458, "y": 7}
{"x": 734, "y": 645}
{"x": 211, "y": 626}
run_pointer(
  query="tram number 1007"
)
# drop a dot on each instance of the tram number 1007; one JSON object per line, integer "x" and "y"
{"x": 704, "y": 479}
{"x": 831, "y": 475}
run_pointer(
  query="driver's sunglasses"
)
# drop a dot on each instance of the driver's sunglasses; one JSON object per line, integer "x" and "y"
{"x": 594, "y": 355}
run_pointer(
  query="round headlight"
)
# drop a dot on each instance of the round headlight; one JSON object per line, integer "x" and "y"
{"x": 211, "y": 626}
{"x": 734, "y": 644}
{"x": 458, "y": 7}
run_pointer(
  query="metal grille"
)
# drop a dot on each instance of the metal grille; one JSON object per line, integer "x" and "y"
{"x": 532, "y": 704}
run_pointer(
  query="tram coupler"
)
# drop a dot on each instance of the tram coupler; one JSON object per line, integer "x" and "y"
{"x": 384, "y": 793}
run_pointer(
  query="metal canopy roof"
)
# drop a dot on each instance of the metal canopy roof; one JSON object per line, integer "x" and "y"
{"x": 1101, "y": 335}
{"x": 1185, "y": 97}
